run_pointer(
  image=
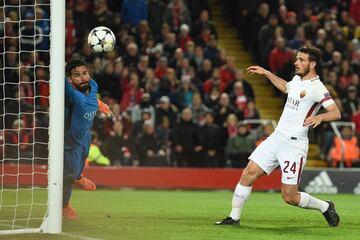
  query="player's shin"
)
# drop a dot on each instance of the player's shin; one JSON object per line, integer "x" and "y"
{"x": 310, "y": 202}
{"x": 241, "y": 194}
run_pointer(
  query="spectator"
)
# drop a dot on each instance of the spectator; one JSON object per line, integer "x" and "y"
{"x": 238, "y": 96}
{"x": 214, "y": 82}
{"x": 186, "y": 141}
{"x": 227, "y": 71}
{"x": 161, "y": 68}
{"x": 252, "y": 113}
{"x": 166, "y": 109}
{"x": 265, "y": 131}
{"x": 211, "y": 50}
{"x": 355, "y": 11}
{"x": 131, "y": 92}
{"x": 212, "y": 98}
{"x": 139, "y": 108}
{"x": 18, "y": 142}
{"x": 138, "y": 125}
{"x": 131, "y": 58}
{"x": 155, "y": 12}
{"x": 198, "y": 109}
{"x": 352, "y": 102}
{"x": 176, "y": 13}
{"x": 170, "y": 45}
{"x": 103, "y": 17}
{"x": 148, "y": 147}
{"x": 134, "y": 11}
{"x": 119, "y": 147}
{"x": 351, "y": 150}
{"x": 210, "y": 135}
{"x": 311, "y": 27}
{"x": 184, "y": 37}
{"x": 266, "y": 35}
{"x": 279, "y": 57}
{"x": 163, "y": 132}
{"x": 96, "y": 157}
{"x": 222, "y": 109}
{"x": 290, "y": 25}
{"x": 183, "y": 95}
{"x": 239, "y": 77}
{"x": 205, "y": 72}
{"x": 204, "y": 23}
{"x": 239, "y": 147}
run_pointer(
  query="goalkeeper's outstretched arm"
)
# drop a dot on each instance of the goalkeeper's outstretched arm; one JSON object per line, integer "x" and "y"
{"x": 279, "y": 83}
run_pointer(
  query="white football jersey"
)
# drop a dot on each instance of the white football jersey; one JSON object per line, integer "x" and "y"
{"x": 305, "y": 97}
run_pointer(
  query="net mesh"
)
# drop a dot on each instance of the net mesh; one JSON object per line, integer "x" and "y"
{"x": 24, "y": 115}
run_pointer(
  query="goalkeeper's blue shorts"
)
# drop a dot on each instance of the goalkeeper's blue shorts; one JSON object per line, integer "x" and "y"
{"x": 74, "y": 161}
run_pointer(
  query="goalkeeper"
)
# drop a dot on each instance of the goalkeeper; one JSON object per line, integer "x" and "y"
{"x": 81, "y": 105}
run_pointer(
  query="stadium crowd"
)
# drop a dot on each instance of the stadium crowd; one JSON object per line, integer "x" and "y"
{"x": 177, "y": 98}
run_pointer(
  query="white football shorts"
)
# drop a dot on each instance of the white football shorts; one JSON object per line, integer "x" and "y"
{"x": 288, "y": 152}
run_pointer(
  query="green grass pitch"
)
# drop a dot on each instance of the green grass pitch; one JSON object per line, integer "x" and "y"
{"x": 155, "y": 214}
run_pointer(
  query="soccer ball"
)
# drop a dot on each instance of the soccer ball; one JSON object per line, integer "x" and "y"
{"x": 101, "y": 40}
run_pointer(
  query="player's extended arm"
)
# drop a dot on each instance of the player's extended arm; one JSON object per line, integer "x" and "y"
{"x": 104, "y": 108}
{"x": 279, "y": 83}
{"x": 332, "y": 113}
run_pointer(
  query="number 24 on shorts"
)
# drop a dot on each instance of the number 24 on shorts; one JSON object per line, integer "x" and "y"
{"x": 292, "y": 168}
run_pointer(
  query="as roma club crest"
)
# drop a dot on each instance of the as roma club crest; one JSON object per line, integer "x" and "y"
{"x": 302, "y": 93}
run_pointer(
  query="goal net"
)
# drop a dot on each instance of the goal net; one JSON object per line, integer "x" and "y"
{"x": 31, "y": 115}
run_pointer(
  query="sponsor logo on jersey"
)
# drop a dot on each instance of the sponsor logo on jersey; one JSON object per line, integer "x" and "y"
{"x": 292, "y": 103}
{"x": 321, "y": 184}
{"x": 89, "y": 115}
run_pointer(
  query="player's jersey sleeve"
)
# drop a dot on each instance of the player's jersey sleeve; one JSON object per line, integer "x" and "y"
{"x": 322, "y": 95}
{"x": 69, "y": 92}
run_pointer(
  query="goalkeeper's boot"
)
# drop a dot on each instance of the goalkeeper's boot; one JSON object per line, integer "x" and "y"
{"x": 69, "y": 212}
{"x": 331, "y": 216}
{"x": 85, "y": 184}
{"x": 228, "y": 221}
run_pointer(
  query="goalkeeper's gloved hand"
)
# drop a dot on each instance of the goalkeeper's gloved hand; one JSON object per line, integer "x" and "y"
{"x": 104, "y": 108}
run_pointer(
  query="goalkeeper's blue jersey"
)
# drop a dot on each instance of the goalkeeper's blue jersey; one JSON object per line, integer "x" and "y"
{"x": 80, "y": 111}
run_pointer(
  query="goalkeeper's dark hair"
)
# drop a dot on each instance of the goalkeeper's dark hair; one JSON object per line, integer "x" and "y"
{"x": 314, "y": 53}
{"x": 73, "y": 63}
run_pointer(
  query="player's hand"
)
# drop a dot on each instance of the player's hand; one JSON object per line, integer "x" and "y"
{"x": 256, "y": 69}
{"x": 313, "y": 121}
{"x": 104, "y": 108}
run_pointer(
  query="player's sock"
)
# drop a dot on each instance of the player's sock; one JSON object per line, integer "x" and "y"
{"x": 310, "y": 202}
{"x": 241, "y": 194}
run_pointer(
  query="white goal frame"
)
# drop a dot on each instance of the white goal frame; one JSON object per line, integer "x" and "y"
{"x": 53, "y": 220}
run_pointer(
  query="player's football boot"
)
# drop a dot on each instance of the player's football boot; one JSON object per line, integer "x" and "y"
{"x": 331, "y": 216}
{"x": 69, "y": 212}
{"x": 228, "y": 221}
{"x": 85, "y": 184}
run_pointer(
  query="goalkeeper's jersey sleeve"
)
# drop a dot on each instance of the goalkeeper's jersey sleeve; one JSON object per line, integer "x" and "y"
{"x": 80, "y": 111}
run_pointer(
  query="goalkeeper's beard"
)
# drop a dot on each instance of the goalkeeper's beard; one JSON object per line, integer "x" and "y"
{"x": 83, "y": 87}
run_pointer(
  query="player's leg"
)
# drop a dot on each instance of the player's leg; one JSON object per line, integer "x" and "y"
{"x": 292, "y": 161}
{"x": 79, "y": 180}
{"x": 304, "y": 200}
{"x": 262, "y": 161}
{"x": 68, "y": 211}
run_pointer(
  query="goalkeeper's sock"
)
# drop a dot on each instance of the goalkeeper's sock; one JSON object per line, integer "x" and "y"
{"x": 241, "y": 194}
{"x": 310, "y": 202}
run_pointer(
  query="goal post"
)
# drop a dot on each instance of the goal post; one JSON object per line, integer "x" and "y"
{"x": 53, "y": 221}
{"x": 31, "y": 115}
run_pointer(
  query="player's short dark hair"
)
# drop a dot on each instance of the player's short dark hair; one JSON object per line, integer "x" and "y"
{"x": 313, "y": 52}
{"x": 73, "y": 63}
